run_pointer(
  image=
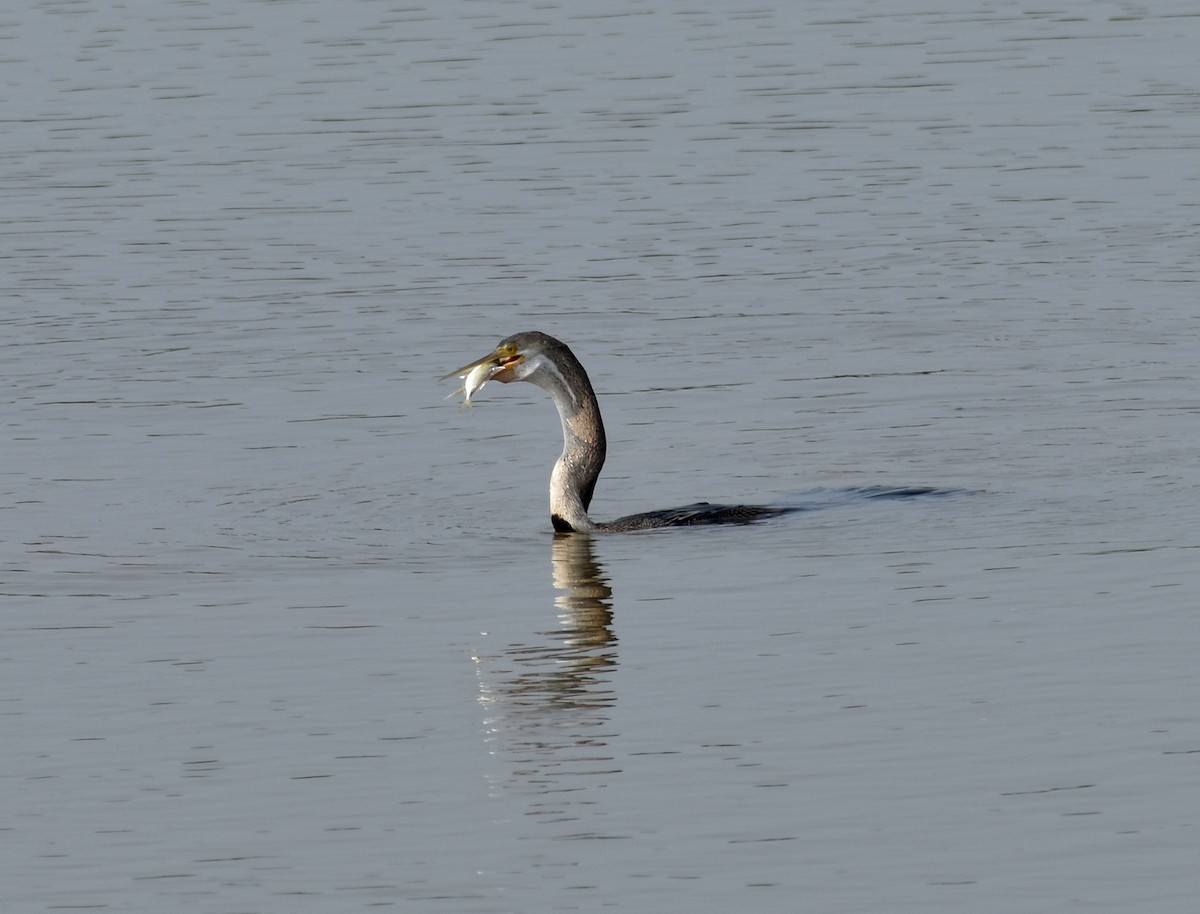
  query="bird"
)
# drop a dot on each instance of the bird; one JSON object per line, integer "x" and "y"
{"x": 549, "y": 363}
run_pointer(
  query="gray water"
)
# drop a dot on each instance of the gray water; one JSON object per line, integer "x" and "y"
{"x": 284, "y": 630}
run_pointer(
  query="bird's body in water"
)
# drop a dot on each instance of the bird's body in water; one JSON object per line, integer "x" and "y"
{"x": 542, "y": 360}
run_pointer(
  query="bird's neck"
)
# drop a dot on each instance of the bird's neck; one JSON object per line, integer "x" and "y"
{"x": 567, "y": 510}
{"x": 574, "y": 478}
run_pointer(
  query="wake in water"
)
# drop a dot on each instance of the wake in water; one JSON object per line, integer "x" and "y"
{"x": 818, "y": 499}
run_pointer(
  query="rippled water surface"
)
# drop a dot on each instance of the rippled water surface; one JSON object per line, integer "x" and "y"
{"x": 286, "y": 631}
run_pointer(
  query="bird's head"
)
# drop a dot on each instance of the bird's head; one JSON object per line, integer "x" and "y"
{"x": 530, "y": 356}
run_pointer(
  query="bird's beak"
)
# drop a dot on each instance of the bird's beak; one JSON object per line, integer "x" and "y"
{"x": 489, "y": 359}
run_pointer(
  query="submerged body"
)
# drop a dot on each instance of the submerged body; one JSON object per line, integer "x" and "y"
{"x": 542, "y": 360}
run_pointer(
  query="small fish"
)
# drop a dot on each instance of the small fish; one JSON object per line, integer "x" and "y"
{"x": 474, "y": 381}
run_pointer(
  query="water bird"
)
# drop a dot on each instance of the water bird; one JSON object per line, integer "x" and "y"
{"x": 549, "y": 363}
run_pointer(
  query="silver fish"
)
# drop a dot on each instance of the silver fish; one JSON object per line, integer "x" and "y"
{"x": 474, "y": 380}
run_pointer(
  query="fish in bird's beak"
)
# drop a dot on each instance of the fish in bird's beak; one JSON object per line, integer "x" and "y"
{"x": 496, "y": 366}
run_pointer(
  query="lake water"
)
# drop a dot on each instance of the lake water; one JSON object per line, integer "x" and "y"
{"x": 286, "y": 631}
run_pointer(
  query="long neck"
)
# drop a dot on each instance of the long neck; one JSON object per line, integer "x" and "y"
{"x": 574, "y": 477}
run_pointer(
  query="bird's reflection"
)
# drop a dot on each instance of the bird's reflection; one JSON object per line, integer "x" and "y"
{"x": 585, "y": 597}
{"x": 547, "y": 704}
